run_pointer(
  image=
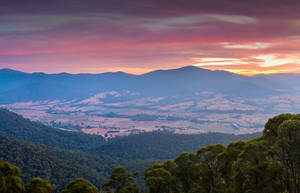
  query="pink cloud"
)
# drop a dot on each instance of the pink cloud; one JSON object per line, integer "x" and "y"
{"x": 144, "y": 35}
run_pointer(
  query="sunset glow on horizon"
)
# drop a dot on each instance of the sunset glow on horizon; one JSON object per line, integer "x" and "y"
{"x": 140, "y": 36}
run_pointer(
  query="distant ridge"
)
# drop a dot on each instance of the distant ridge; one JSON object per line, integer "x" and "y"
{"x": 185, "y": 68}
{"x": 10, "y": 71}
{"x": 189, "y": 68}
{"x": 17, "y": 86}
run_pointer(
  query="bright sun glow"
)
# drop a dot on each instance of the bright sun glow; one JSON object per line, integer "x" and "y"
{"x": 254, "y": 72}
{"x": 216, "y": 61}
{"x": 260, "y": 64}
{"x": 256, "y": 45}
{"x": 271, "y": 60}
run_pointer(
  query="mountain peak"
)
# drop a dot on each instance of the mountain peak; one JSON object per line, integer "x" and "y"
{"x": 10, "y": 71}
{"x": 190, "y": 68}
{"x": 182, "y": 70}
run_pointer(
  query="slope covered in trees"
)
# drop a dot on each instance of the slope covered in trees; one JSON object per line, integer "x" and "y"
{"x": 60, "y": 166}
{"x": 267, "y": 164}
{"x": 14, "y": 125}
{"x": 94, "y": 159}
{"x": 153, "y": 145}
{"x": 164, "y": 145}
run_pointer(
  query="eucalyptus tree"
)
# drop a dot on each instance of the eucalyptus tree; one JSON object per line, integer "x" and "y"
{"x": 288, "y": 148}
{"x": 10, "y": 180}
{"x": 38, "y": 185}
{"x": 120, "y": 181}
{"x": 80, "y": 185}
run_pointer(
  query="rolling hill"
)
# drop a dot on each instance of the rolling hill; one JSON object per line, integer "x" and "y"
{"x": 14, "y": 125}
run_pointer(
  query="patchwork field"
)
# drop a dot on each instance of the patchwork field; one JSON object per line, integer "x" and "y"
{"x": 105, "y": 114}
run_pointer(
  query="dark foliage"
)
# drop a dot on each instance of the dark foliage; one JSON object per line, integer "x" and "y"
{"x": 63, "y": 156}
{"x": 14, "y": 125}
{"x": 165, "y": 145}
{"x": 59, "y": 165}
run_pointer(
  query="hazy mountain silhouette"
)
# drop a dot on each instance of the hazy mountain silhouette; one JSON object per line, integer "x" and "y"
{"x": 187, "y": 81}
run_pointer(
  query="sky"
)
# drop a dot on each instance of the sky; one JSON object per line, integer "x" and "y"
{"x": 138, "y": 36}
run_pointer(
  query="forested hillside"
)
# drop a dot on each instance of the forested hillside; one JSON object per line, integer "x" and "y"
{"x": 152, "y": 145}
{"x": 14, "y": 125}
{"x": 45, "y": 151}
{"x": 59, "y": 165}
{"x": 267, "y": 164}
{"x": 164, "y": 145}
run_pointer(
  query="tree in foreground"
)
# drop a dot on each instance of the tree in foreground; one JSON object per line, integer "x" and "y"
{"x": 255, "y": 171}
{"x": 210, "y": 170}
{"x": 160, "y": 179}
{"x": 120, "y": 181}
{"x": 80, "y": 185}
{"x": 288, "y": 148}
{"x": 10, "y": 180}
{"x": 38, "y": 185}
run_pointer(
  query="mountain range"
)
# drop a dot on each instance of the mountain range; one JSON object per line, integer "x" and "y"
{"x": 187, "y": 100}
{"x": 187, "y": 81}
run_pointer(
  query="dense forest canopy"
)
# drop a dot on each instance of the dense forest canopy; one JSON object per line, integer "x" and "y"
{"x": 42, "y": 151}
{"x": 14, "y": 125}
{"x": 266, "y": 164}
{"x": 59, "y": 165}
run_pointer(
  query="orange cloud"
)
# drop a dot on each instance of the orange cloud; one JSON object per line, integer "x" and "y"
{"x": 261, "y": 64}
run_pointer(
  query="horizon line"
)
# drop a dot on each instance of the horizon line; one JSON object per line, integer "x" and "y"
{"x": 147, "y": 72}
